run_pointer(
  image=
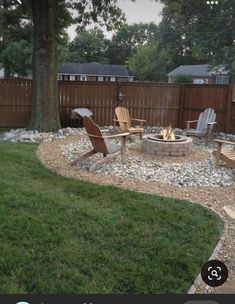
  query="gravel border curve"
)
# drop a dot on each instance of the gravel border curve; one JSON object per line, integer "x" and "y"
{"x": 198, "y": 283}
{"x": 213, "y": 198}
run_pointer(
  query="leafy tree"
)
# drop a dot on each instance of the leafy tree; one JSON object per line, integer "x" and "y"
{"x": 89, "y": 46}
{"x": 205, "y": 34}
{"x": 17, "y": 57}
{"x": 150, "y": 63}
{"x": 49, "y": 19}
{"x": 172, "y": 40}
{"x": 128, "y": 38}
{"x": 62, "y": 47}
{"x": 15, "y": 38}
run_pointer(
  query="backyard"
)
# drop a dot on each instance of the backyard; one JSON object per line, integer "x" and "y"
{"x": 116, "y": 176}
{"x": 64, "y": 235}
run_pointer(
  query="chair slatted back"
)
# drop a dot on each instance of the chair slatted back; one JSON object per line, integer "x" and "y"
{"x": 207, "y": 116}
{"x": 98, "y": 144}
{"x": 123, "y": 114}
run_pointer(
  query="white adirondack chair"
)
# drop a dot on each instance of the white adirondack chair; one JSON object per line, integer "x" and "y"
{"x": 205, "y": 124}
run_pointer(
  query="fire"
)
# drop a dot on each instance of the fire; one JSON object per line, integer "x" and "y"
{"x": 168, "y": 133}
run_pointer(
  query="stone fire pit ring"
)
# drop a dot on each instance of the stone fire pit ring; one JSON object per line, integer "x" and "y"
{"x": 156, "y": 145}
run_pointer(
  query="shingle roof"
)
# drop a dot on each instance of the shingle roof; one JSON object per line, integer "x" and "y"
{"x": 93, "y": 68}
{"x": 198, "y": 70}
{"x": 193, "y": 70}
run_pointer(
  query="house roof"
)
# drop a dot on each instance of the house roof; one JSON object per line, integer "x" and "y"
{"x": 94, "y": 68}
{"x": 197, "y": 70}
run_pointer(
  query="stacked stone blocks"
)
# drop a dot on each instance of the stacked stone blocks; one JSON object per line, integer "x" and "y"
{"x": 167, "y": 148}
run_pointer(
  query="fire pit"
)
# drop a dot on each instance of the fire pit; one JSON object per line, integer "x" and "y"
{"x": 159, "y": 137}
{"x": 167, "y": 143}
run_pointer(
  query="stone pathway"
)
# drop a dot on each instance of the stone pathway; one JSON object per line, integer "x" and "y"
{"x": 230, "y": 210}
{"x": 227, "y": 288}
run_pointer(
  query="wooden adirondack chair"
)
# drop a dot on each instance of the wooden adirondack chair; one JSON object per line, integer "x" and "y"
{"x": 124, "y": 120}
{"x": 205, "y": 124}
{"x": 228, "y": 156}
{"x": 101, "y": 145}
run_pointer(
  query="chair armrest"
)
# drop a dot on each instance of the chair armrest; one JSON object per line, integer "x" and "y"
{"x": 212, "y": 123}
{"x": 143, "y": 120}
{"x": 121, "y": 134}
{"x": 191, "y": 121}
{"x": 125, "y": 121}
{"x": 188, "y": 122}
{"x": 220, "y": 141}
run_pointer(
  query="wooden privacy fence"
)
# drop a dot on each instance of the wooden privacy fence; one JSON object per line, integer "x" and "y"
{"x": 15, "y": 103}
{"x": 159, "y": 104}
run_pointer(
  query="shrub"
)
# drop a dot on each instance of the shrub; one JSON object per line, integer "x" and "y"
{"x": 183, "y": 79}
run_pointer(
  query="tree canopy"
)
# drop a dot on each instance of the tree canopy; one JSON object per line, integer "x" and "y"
{"x": 205, "y": 33}
{"x": 15, "y": 38}
{"x": 150, "y": 63}
{"x": 128, "y": 38}
{"x": 88, "y": 46}
{"x": 191, "y": 32}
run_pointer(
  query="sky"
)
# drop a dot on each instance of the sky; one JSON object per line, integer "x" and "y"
{"x": 141, "y": 10}
{"x": 138, "y": 11}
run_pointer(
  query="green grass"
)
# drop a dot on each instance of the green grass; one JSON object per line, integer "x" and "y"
{"x": 60, "y": 235}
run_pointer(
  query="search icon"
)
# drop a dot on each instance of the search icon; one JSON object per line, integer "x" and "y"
{"x": 214, "y": 273}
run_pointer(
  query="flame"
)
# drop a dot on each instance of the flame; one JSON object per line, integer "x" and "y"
{"x": 168, "y": 133}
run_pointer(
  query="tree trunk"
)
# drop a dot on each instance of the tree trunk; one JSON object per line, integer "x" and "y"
{"x": 5, "y": 36}
{"x": 45, "y": 104}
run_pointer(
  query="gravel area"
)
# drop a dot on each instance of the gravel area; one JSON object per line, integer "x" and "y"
{"x": 54, "y": 156}
{"x": 194, "y": 170}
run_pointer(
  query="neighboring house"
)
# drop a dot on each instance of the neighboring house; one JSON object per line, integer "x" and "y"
{"x": 94, "y": 72}
{"x": 201, "y": 74}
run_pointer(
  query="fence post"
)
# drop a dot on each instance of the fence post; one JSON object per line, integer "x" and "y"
{"x": 229, "y": 110}
{"x": 181, "y": 106}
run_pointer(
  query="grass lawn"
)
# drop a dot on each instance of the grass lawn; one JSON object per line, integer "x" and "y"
{"x": 60, "y": 235}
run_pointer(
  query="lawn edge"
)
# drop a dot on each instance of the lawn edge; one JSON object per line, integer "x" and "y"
{"x": 198, "y": 281}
